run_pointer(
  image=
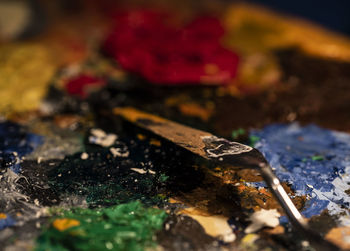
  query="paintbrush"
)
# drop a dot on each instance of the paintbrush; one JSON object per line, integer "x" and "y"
{"x": 225, "y": 152}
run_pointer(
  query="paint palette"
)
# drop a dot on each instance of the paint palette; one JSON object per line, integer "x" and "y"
{"x": 74, "y": 176}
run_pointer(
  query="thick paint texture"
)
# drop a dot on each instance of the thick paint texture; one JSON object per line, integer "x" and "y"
{"x": 6, "y": 221}
{"x": 124, "y": 227}
{"x": 15, "y": 142}
{"x": 315, "y": 161}
{"x": 145, "y": 43}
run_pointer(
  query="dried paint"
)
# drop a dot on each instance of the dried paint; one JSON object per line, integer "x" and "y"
{"x": 262, "y": 218}
{"x": 237, "y": 133}
{"x": 56, "y": 142}
{"x": 6, "y": 221}
{"x": 124, "y": 227}
{"x": 119, "y": 152}
{"x": 25, "y": 72}
{"x": 99, "y": 137}
{"x": 83, "y": 85}
{"x": 255, "y": 28}
{"x": 172, "y": 55}
{"x": 16, "y": 142}
{"x": 294, "y": 153}
{"x": 108, "y": 176}
{"x": 220, "y": 147}
{"x": 64, "y": 224}
{"x": 216, "y": 226}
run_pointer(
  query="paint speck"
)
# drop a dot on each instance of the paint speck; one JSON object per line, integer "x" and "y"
{"x": 84, "y": 156}
{"x": 155, "y": 142}
{"x": 151, "y": 172}
{"x": 109, "y": 245}
{"x": 118, "y": 152}
{"x": 39, "y": 160}
{"x": 141, "y": 136}
{"x": 99, "y": 137}
{"x": 65, "y": 223}
{"x": 236, "y": 133}
{"x": 249, "y": 239}
{"x": 36, "y": 202}
{"x": 138, "y": 170}
{"x": 263, "y": 218}
{"x": 305, "y": 244}
{"x": 231, "y": 237}
{"x": 317, "y": 158}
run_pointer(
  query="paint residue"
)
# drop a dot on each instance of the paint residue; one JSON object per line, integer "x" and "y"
{"x": 124, "y": 227}
{"x": 119, "y": 152}
{"x": 340, "y": 236}
{"x": 15, "y": 143}
{"x": 6, "y": 221}
{"x": 25, "y": 72}
{"x": 262, "y": 218}
{"x": 56, "y": 143}
{"x": 106, "y": 177}
{"x": 99, "y": 137}
{"x": 214, "y": 225}
{"x": 291, "y": 151}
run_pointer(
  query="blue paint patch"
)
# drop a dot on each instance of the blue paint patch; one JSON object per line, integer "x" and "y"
{"x": 315, "y": 161}
{"x": 7, "y": 222}
{"x": 15, "y": 143}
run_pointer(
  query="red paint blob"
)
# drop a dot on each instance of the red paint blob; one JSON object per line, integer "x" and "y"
{"x": 143, "y": 43}
{"x": 83, "y": 84}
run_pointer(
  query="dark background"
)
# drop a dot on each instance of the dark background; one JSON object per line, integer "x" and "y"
{"x": 331, "y": 14}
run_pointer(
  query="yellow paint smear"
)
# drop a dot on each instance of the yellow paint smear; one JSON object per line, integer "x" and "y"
{"x": 253, "y": 28}
{"x": 25, "y": 72}
{"x": 155, "y": 142}
{"x": 65, "y": 223}
{"x": 141, "y": 136}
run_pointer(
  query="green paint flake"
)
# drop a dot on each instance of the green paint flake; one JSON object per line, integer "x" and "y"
{"x": 253, "y": 140}
{"x": 163, "y": 178}
{"x": 128, "y": 226}
{"x": 236, "y": 133}
{"x": 317, "y": 158}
